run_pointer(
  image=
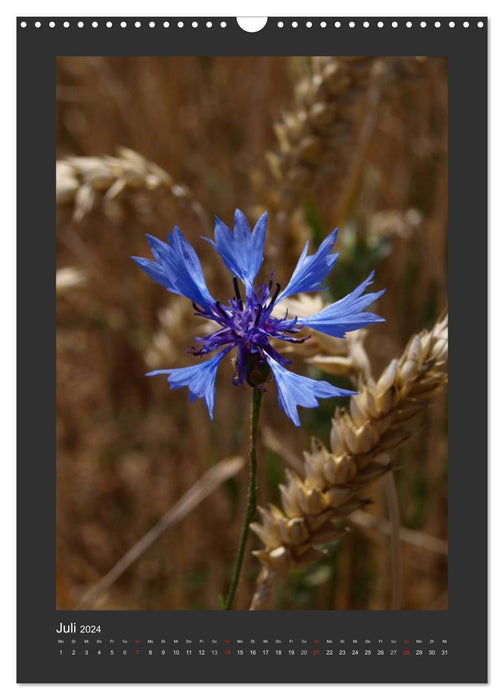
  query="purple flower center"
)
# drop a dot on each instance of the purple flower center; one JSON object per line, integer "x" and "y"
{"x": 247, "y": 324}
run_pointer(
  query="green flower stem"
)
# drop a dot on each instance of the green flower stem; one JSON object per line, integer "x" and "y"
{"x": 251, "y": 497}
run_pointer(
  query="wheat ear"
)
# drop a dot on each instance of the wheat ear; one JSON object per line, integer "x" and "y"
{"x": 83, "y": 181}
{"x": 363, "y": 440}
{"x": 321, "y": 124}
{"x": 327, "y": 122}
{"x": 328, "y": 131}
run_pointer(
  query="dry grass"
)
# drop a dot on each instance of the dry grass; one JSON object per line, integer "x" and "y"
{"x": 210, "y": 480}
{"x": 369, "y": 157}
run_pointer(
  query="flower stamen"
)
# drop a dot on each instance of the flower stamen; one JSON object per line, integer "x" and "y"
{"x": 274, "y": 297}
{"x": 237, "y": 293}
{"x": 221, "y": 311}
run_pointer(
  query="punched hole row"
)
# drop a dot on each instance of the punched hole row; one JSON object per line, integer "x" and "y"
{"x": 380, "y": 24}
{"x": 123, "y": 24}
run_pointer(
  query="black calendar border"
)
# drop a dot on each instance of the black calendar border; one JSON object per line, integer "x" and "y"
{"x": 465, "y": 622}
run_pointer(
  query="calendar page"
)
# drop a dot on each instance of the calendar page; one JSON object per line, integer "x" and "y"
{"x": 244, "y": 249}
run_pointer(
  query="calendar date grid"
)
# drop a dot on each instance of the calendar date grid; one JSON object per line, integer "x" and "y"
{"x": 273, "y": 647}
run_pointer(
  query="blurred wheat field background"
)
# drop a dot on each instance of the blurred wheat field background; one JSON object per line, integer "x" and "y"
{"x": 144, "y": 143}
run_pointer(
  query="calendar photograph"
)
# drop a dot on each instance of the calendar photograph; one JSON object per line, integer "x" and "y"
{"x": 251, "y": 333}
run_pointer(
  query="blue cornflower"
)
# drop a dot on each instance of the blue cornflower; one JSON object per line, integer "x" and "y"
{"x": 246, "y": 323}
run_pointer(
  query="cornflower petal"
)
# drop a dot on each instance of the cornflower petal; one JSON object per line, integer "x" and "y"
{"x": 154, "y": 270}
{"x": 177, "y": 268}
{"x": 295, "y": 390}
{"x": 241, "y": 251}
{"x": 347, "y": 314}
{"x": 311, "y": 270}
{"x": 199, "y": 379}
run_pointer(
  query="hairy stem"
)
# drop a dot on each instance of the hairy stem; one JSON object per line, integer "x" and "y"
{"x": 251, "y": 497}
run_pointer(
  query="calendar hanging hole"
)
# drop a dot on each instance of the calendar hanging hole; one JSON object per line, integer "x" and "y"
{"x": 252, "y": 24}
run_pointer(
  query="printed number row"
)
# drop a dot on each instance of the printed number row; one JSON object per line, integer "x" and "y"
{"x": 258, "y": 652}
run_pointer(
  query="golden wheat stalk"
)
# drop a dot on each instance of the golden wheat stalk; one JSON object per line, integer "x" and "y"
{"x": 84, "y": 181}
{"x": 324, "y": 134}
{"x": 363, "y": 441}
{"x": 323, "y": 129}
{"x": 317, "y": 135}
{"x": 320, "y": 129}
